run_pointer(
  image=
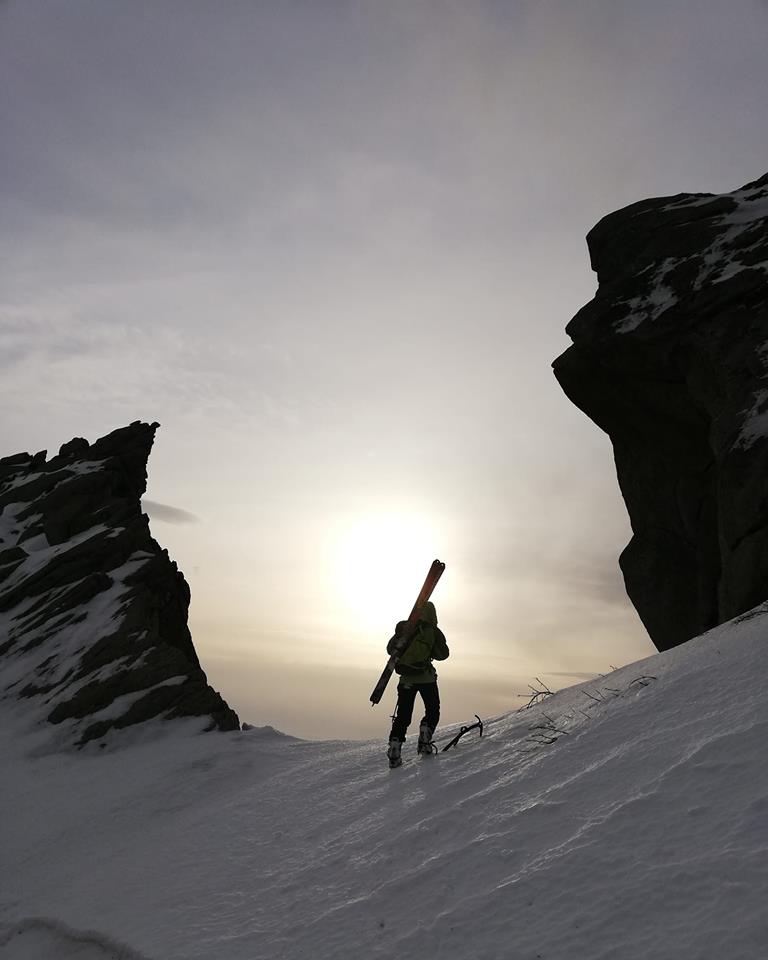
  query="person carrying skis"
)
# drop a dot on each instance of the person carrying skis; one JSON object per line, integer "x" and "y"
{"x": 417, "y": 675}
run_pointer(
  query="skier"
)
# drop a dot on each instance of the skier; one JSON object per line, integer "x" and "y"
{"x": 417, "y": 675}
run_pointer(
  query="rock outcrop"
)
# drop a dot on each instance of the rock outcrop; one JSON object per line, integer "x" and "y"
{"x": 93, "y": 613}
{"x": 670, "y": 358}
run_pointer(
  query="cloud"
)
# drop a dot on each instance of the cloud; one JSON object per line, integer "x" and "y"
{"x": 168, "y": 514}
{"x": 572, "y": 674}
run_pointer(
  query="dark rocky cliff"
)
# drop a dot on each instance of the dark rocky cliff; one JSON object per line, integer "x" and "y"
{"x": 670, "y": 358}
{"x": 93, "y": 613}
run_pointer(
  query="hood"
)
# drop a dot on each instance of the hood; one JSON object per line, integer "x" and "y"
{"x": 428, "y": 613}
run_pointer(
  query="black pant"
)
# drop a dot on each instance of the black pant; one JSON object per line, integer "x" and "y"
{"x": 406, "y": 697}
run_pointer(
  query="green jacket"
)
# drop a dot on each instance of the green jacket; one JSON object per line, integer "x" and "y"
{"x": 428, "y": 644}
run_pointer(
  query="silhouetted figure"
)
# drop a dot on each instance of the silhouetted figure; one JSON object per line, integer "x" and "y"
{"x": 417, "y": 675}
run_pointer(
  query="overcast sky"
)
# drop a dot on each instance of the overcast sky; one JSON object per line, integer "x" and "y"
{"x": 332, "y": 248}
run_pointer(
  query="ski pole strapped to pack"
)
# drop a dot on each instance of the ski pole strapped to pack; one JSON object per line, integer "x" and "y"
{"x": 435, "y": 572}
{"x": 460, "y": 734}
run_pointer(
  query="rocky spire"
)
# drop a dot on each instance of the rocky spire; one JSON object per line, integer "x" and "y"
{"x": 93, "y": 612}
{"x": 670, "y": 359}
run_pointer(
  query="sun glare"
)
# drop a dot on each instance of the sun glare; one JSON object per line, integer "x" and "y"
{"x": 380, "y": 564}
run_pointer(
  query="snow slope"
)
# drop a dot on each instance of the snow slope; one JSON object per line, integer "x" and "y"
{"x": 639, "y": 831}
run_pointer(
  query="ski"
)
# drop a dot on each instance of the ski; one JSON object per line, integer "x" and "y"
{"x": 435, "y": 572}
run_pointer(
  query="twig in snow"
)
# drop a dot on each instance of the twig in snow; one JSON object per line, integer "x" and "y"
{"x": 546, "y": 732}
{"x": 598, "y": 699}
{"x": 536, "y": 695}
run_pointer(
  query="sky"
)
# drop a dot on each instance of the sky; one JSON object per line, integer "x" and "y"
{"x": 332, "y": 248}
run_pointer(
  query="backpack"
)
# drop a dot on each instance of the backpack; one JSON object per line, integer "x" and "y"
{"x": 418, "y": 656}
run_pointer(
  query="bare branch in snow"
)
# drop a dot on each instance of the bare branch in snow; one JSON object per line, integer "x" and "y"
{"x": 536, "y": 695}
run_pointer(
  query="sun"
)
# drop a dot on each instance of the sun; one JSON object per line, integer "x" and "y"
{"x": 380, "y": 561}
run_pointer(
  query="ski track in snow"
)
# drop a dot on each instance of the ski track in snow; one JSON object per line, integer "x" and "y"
{"x": 47, "y": 939}
{"x": 640, "y": 833}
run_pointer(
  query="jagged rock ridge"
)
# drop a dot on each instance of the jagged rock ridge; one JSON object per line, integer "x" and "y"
{"x": 93, "y": 613}
{"x": 670, "y": 358}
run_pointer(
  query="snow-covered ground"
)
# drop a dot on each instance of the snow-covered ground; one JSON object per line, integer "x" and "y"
{"x": 639, "y": 831}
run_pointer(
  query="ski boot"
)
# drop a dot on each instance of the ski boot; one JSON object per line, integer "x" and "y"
{"x": 393, "y": 753}
{"x": 425, "y": 744}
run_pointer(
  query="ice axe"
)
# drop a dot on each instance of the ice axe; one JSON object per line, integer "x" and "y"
{"x": 460, "y": 734}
